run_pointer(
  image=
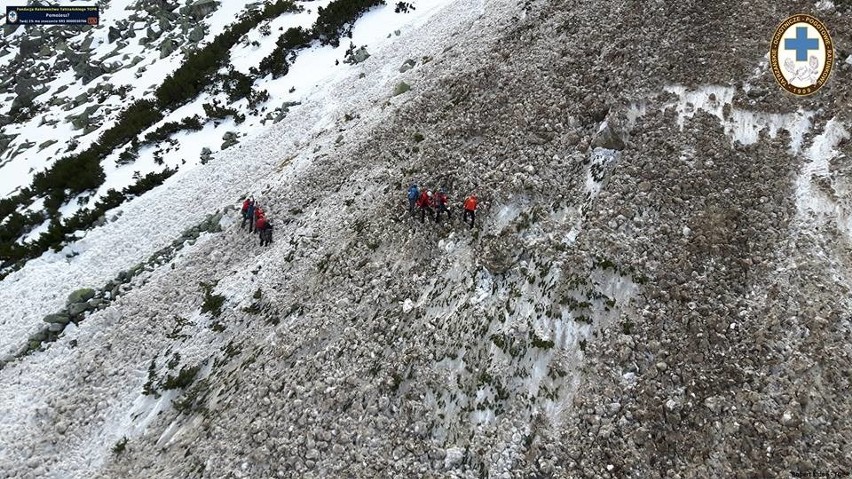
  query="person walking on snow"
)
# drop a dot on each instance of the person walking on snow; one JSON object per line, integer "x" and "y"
{"x": 258, "y": 213}
{"x": 265, "y": 232}
{"x": 441, "y": 205}
{"x": 248, "y": 216}
{"x": 470, "y": 205}
{"x": 424, "y": 202}
{"x": 244, "y": 210}
{"x": 413, "y": 193}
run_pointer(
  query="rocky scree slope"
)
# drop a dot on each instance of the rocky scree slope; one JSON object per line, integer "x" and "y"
{"x": 669, "y": 309}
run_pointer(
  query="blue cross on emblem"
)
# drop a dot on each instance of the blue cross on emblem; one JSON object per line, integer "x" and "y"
{"x": 801, "y": 44}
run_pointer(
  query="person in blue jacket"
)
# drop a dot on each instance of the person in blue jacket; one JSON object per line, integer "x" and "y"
{"x": 413, "y": 194}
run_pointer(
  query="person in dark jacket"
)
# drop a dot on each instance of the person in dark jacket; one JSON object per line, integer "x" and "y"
{"x": 266, "y": 232}
{"x": 441, "y": 205}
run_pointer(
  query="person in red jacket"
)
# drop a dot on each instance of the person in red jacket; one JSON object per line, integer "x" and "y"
{"x": 260, "y": 227}
{"x": 441, "y": 205}
{"x": 248, "y": 211}
{"x": 470, "y": 205}
{"x": 425, "y": 204}
{"x": 258, "y": 213}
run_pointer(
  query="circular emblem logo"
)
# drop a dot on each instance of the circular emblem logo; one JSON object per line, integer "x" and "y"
{"x": 801, "y": 54}
{"x": 12, "y": 16}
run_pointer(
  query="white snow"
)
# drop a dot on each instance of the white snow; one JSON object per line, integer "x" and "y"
{"x": 740, "y": 125}
{"x": 811, "y": 202}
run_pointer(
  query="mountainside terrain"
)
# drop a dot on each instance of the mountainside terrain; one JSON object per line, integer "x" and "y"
{"x": 658, "y": 283}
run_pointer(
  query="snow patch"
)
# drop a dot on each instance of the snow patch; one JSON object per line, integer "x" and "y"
{"x": 740, "y": 125}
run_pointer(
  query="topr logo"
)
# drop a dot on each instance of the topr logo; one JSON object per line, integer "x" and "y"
{"x": 12, "y": 16}
{"x": 801, "y": 54}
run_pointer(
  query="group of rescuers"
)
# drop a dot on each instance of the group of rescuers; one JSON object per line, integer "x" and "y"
{"x": 419, "y": 200}
{"x": 424, "y": 201}
{"x": 257, "y": 221}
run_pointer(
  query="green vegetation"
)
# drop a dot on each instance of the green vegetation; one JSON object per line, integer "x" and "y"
{"x": 120, "y": 446}
{"x": 337, "y": 19}
{"x": 278, "y": 62}
{"x": 192, "y": 123}
{"x": 216, "y": 112}
{"x": 182, "y": 380}
{"x": 60, "y": 232}
{"x": 212, "y": 302}
{"x": 148, "y": 389}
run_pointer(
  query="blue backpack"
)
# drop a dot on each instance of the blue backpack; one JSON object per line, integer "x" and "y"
{"x": 413, "y": 193}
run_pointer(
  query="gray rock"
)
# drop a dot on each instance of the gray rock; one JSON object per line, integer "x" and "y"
{"x": 230, "y": 140}
{"x": 167, "y": 47}
{"x": 88, "y": 71}
{"x": 114, "y": 34}
{"x": 77, "y": 309}
{"x": 55, "y": 327}
{"x": 80, "y": 296}
{"x": 60, "y": 318}
{"x": 30, "y": 45}
{"x": 407, "y": 65}
{"x": 285, "y": 108}
{"x": 39, "y": 336}
{"x": 87, "y": 43}
{"x": 357, "y": 56}
{"x": 610, "y": 137}
{"x": 79, "y": 122}
{"x": 47, "y": 144}
{"x": 401, "y": 88}
{"x": 196, "y": 34}
{"x": 200, "y": 9}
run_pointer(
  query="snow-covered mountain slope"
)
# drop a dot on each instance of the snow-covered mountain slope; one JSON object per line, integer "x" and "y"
{"x": 656, "y": 286}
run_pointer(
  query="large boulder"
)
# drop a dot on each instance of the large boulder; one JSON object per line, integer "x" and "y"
{"x": 30, "y": 45}
{"x": 167, "y": 47}
{"x": 407, "y": 65}
{"x": 114, "y": 34}
{"x": 610, "y": 135}
{"x": 200, "y": 9}
{"x": 60, "y": 318}
{"x": 81, "y": 296}
{"x": 197, "y": 34}
{"x": 356, "y": 56}
{"x": 76, "y": 309}
{"x": 88, "y": 71}
{"x": 401, "y": 88}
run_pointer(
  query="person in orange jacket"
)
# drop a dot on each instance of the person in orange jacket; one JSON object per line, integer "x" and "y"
{"x": 470, "y": 205}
